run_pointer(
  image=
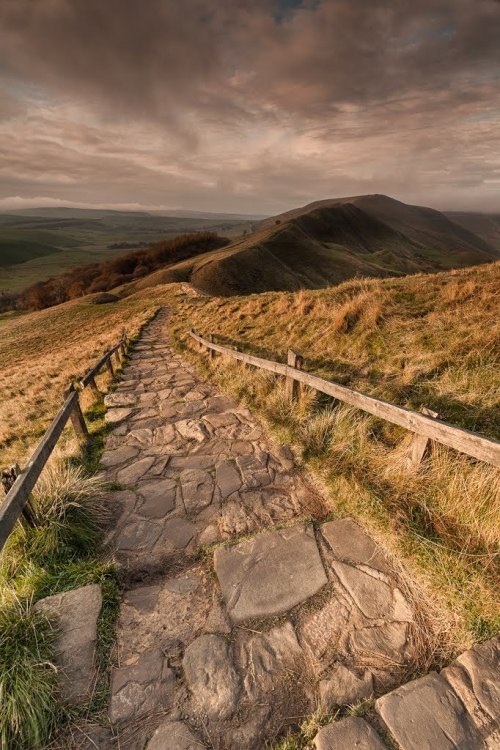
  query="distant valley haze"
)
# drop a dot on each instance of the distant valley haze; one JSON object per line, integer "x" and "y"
{"x": 248, "y": 108}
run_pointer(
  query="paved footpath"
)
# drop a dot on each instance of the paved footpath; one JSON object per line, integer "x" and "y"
{"x": 243, "y": 612}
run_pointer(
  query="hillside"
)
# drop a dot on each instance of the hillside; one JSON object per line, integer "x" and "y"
{"x": 424, "y": 340}
{"x": 36, "y": 244}
{"x": 486, "y": 226}
{"x": 329, "y": 242}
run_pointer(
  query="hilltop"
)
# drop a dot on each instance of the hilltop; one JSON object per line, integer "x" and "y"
{"x": 328, "y": 242}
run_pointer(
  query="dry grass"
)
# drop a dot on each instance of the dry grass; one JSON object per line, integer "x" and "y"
{"x": 422, "y": 340}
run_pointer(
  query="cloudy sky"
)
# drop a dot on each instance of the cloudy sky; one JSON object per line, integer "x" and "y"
{"x": 249, "y": 105}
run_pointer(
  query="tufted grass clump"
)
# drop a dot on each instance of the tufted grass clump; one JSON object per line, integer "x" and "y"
{"x": 28, "y": 678}
{"x": 68, "y": 510}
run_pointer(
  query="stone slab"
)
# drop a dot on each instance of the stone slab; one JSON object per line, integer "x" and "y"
{"x": 426, "y": 714}
{"x": 75, "y": 613}
{"x": 174, "y": 735}
{"x": 269, "y": 574}
{"x": 158, "y": 498}
{"x": 211, "y": 677}
{"x": 381, "y": 643}
{"x": 349, "y": 734}
{"x": 344, "y": 688}
{"x": 350, "y": 543}
{"x": 373, "y": 596}
{"x": 119, "y": 414}
{"x": 131, "y": 474}
{"x": 141, "y": 688}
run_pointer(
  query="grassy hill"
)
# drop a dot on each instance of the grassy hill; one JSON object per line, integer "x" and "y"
{"x": 36, "y": 244}
{"x": 329, "y": 242}
{"x": 486, "y": 226}
{"x": 419, "y": 340}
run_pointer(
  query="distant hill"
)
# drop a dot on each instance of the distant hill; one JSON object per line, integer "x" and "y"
{"x": 329, "y": 241}
{"x": 486, "y": 226}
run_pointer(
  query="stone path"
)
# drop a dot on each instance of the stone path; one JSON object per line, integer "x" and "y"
{"x": 243, "y": 612}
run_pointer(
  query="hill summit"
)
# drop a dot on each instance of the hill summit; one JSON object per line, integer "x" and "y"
{"x": 330, "y": 241}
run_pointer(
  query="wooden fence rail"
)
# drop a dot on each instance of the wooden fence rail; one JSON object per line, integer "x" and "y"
{"x": 16, "y": 501}
{"x": 471, "y": 443}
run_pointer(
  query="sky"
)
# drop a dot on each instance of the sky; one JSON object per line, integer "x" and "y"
{"x": 249, "y": 106}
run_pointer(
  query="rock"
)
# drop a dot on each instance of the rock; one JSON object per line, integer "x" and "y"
{"x": 178, "y": 532}
{"x": 373, "y": 597}
{"x": 349, "y": 734}
{"x": 138, "y": 535}
{"x": 228, "y": 478}
{"x": 209, "y": 536}
{"x": 118, "y": 456}
{"x": 141, "y": 688}
{"x": 343, "y": 688}
{"x": 264, "y": 659}
{"x": 131, "y": 474}
{"x": 217, "y": 620}
{"x": 191, "y": 430}
{"x": 253, "y": 470}
{"x": 117, "y": 415}
{"x": 159, "y": 498}
{"x": 75, "y": 613}
{"x": 174, "y": 735}
{"x": 164, "y": 435}
{"x": 197, "y": 489}
{"x": 320, "y": 630}
{"x": 119, "y": 399}
{"x": 474, "y": 677}
{"x": 350, "y": 543}
{"x": 143, "y": 436}
{"x": 426, "y": 714}
{"x": 386, "y": 643}
{"x": 90, "y": 737}
{"x": 225, "y": 419}
{"x": 269, "y": 574}
{"x": 211, "y": 676}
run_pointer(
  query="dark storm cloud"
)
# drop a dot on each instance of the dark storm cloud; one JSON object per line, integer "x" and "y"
{"x": 251, "y": 104}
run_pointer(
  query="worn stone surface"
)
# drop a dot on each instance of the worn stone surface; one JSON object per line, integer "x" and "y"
{"x": 75, "y": 614}
{"x": 381, "y": 643}
{"x": 119, "y": 399}
{"x": 269, "y": 574}
{"x": 349, "y": 734}
{"x": 131, "y": 474}
{"x": 197, "y": 489}
{"x": 426, "y": 714}
{"x": 373, "y": 596}
{"x": 211, "y": 677}
{"x": 320, "y": 630}
{"x": 158, "y": 498}
{"x": 475, "y": 677}
{"x": 118, "y": 456}
{"x": 344, "y": 688}
{"x": 228, "y": 478}
{"x": 349, "y": 543}
{"x": 117, "y": 415}
{"x": 174, "y": 735}
{"x": 141, "y": 688}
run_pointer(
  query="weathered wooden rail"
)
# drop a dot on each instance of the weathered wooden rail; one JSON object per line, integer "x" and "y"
{"x": 16, "y": 501}
{"x": 426, "y": 425}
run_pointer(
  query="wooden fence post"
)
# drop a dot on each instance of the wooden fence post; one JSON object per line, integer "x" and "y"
{"x": 211, "y": 353}
{"x": 420, "y": 445}
{"x": 109, "y": 366}
{"x": 117, "y": 357}
{"x": 77, "y": 418}
{"x": 293, "y": 386}
{"x": 93, "y": 386}
{"x": 7, "y": 479}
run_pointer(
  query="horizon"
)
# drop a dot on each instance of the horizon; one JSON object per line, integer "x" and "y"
{"x": 249, "y": 108}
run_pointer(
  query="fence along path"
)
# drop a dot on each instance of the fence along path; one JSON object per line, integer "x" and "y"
{"x": 19, "y": 484}
{"x": 424, "y": 425}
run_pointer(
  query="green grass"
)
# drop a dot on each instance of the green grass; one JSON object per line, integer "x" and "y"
{"x": 28, "y": 680}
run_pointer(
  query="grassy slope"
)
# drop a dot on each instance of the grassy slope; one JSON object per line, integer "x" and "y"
{"x": 424, "y": 340}
{"x": 329, "y": 244}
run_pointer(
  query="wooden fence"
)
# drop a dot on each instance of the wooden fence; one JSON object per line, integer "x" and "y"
{"x": 20, "y": 485}
{"x": 425, "y": 425}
